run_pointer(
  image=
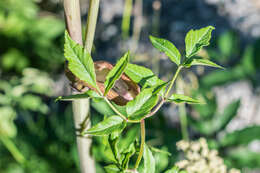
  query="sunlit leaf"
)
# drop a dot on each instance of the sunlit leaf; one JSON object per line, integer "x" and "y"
{"x": 116, "y": 72}
{"x": 142, "y": 75}
{"x": 200, "y": 61}
{"x": 80, "y": 62}
{"x": 196, "y": 39}
{"x": 168, "y": 48}
{"x": 87, "y": 94}
{"x": 158, "y": 88}
{"x": 107, "y": 126}
{"x": 180, "y": 98}
{"x": 142, "y": 104}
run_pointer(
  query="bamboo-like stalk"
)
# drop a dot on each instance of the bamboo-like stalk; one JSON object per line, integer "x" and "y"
{"x": 137, "y": 25}
{"x": 80, "y": 107}
{"x": 126, "y": 18}
{"x": 91, "y": 24}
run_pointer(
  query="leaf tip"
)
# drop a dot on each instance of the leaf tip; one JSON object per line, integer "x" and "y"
{"x": 58, "y": 99}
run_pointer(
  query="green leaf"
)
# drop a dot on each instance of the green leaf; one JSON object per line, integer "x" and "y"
{"x": 219, "y": 121}
{"x": 80, "y": 62}
{"x": 244, "y": 157}
{"x": 241, "y": 137}
{"x": 139, "y": 107}
{"x": 168, "y": 48}
{"x": 127, "y": 155}
{"x": 180, "y": 98}
{"x": 175, "y": 169}
{"x": 87, "y": 94}
{"x": 200, "y": 61}
{"x": 196, "y": 39}
{"x": 116, "y": 72}
{"x": 112, "y": 169}
{"x": 142, "y": 75}
{"x": 230, "y": 111}
{"x": 113, "y": 143}
{"x": 156, "y": 150}
{"x": 103, "y": 108}
{"x": 160, "y": 87}
{"x": 129, "y": 138}
{"x": 149, "y": 162}
{"x": 107, "y": 126}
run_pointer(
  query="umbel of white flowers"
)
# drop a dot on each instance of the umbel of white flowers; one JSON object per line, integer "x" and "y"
{"x": 200, "y": 159}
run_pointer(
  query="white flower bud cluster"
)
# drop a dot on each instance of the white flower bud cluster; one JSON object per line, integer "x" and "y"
{"x": 199, "y": 159}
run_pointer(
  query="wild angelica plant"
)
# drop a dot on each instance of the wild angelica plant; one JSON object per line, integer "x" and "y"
{"x": 133, "y": 92}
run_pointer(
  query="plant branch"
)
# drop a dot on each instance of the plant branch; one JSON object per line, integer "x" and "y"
{"x": 119, "y": 113}
{"x": 139, "y": 158}
{"x": 114, "y": 109}
{"x": 166, "y": 95}
{"x": 155, "y": 109}
{"x": 173, "y": 80}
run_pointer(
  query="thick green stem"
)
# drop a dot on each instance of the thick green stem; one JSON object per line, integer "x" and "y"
{"x": 13, "y": 149}
{"x": 139, "y": 158}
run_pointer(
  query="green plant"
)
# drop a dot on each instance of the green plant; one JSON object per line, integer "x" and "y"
{"x": 20, "y": 24}
{"x": 138, "y": 107}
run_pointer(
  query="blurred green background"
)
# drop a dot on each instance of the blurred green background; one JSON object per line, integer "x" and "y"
{"x": 37, "y": 134}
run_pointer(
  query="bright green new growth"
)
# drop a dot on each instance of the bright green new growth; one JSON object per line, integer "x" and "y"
{"x": 196, "y": 39}
{"x": 168, "y": 48}
{"x": 179, "y": 98}
{"x": 154, "y": 93}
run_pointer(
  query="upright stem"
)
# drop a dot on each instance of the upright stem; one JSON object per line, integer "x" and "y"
{"x": 126, "y": 18}
{"x": 183, "y": 120}
{"x": 182, "y": 112}
{"x": 80, "y": 107}
{"x": 138, "y": 23}
{"x": 73, "y": 21}
{"x": 13, "y": 149}
{"x": 91, "y": 24}
{"x": 139, "y": 158}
